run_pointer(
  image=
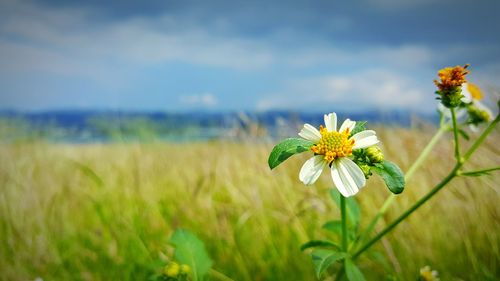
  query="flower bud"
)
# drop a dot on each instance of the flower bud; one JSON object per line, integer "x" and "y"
{"x": 172, "y": 269}
{"x": 478, "y": 115}
{"x": 450, "y": 85}
{"x": 374, "y": 154}
{"x": 185, "y": 269}
{"x": 366, "y": 170}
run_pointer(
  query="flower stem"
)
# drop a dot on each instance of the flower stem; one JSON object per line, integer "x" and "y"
{"x": 454, "y": 172}
{"x": 455, "y": 134}
{"x": 408, "y": 212}
{"x": 418, "y": 162}
{"x": 479, "y": 172}
{"x": 344, "y": 222}
{"x": 481, "y": 138}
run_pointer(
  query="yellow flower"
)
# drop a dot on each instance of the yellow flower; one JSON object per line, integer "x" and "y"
{"x": 426, "y": 274}
{"x": 451, "y": 77}
{"x": 172, "y": 269}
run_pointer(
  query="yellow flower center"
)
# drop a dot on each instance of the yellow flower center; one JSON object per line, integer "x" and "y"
{"x": 333, "y": 145}
{"x": 474, "y": 91}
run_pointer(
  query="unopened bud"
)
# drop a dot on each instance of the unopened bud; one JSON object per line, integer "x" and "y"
{"x": 374, "y": 154}
{"x": 172, "y": 269}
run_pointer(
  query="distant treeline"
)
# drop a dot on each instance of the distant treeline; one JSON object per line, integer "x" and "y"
{"x": 105, "y": 126}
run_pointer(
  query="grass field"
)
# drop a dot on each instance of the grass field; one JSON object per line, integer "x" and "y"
{"x": 106, "y": 211}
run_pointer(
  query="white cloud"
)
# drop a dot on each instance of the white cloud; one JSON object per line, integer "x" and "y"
{"x": 366, "y": 89}
{"x": 203, "y": 100}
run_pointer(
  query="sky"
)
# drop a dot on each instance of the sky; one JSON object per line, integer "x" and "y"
{"x": 227, "y": 55}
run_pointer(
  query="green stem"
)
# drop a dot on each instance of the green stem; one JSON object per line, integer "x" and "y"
{"x": 479, "y": 172}
{"x": 455, "y": 134}
{"x": 418, "y": 162}
{"x": 344, "y": 223}
{"x": 408, "y": 212}
{"x": 481, "y": 138}
{"x": 438, "y": 187}
{"x": 219, "y": 275}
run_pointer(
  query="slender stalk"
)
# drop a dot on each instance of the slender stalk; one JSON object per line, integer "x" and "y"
{"x": 343, "y": 214}
{"x": 481, "y": 138}
{"x": 479, "y": 172}
{"x": 219, "y": 275}
{"x": 409, "y": 174}
{"x": 438, "y": 187}
{"x": 344, "y": 222}
{"x": 408, "y": 212}
{"x": 425, "y": 152}
{"x": 455, "y": 135}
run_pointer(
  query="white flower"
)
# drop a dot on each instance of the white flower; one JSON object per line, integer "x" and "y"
{"x": 332, "y": 148}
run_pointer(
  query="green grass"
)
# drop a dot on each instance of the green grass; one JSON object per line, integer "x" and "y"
{"x": 106, "y": 211}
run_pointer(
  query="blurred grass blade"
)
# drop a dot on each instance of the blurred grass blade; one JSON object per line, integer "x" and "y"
{"x": 87, "y": 171}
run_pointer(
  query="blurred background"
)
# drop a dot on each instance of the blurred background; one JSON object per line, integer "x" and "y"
{"x": 121, "y": 121}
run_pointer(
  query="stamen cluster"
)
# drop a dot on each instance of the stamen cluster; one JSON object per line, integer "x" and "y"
{"x": 333, "y": 145}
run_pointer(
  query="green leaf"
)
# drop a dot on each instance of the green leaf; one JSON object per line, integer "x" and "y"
{"x": 191, "y": 251}
{"x": 319, "y": 243}
{"x": 353, "y": 211}
{"x": 352, "y": 271}
{"x": 392, "y": 175}
{"x": 334, "y": 226}
{"x": 359, "y": 127}
{"x": 463, "y": 134}
{"x": 322, "y": 259}
{"x": 287, "y": 148}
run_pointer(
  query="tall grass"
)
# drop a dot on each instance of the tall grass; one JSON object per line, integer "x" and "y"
{"x": 106, "y": 211}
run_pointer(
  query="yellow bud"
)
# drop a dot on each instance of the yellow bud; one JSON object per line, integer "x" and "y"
{"x": 375, "y": 154}
{"x": 185, "y": 269}
{"x": 172, "y": 269}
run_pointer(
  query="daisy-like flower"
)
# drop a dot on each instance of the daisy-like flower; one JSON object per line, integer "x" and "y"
{"x": 477, "y": 111}
{"x": 332, "y": 148}
{"x": 427, "y": 274}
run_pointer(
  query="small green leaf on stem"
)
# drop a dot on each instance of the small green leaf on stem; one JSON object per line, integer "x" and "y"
{"x": 191, "y": 251}
{"x": 322, "y": 259}
{"x": 359, "y": 127}
{"x": 392, "y": 175}
{"x": 334, "y": 226}
{"x": 352, "y": 271}
{"x": 287, "y": 148}
{"x": 319, "y": 243}
{"x": 463, "y": 134}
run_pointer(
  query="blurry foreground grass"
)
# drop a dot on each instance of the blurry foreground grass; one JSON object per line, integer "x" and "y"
{"x": 106, "y": 211}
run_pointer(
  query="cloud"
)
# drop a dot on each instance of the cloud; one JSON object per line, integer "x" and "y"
{"x": 377, "y": 88}
{"x": 203, "y": 100}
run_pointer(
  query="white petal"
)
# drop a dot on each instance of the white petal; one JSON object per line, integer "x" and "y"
{"x": 347, "y": 124}
{"x": 356, "y": 172}
{"x": 331, "y": 122}
{"x": 467, "y": 97}
{"x": 311, "y": 170}
{"x": 343, "y": 187}
{"x": 481, "y": 106}
{"x": 310, "y": 133}
{"x": 343, "y": 180}
{"x": 337, "y": 180}
{"x": 365, "y": 139}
